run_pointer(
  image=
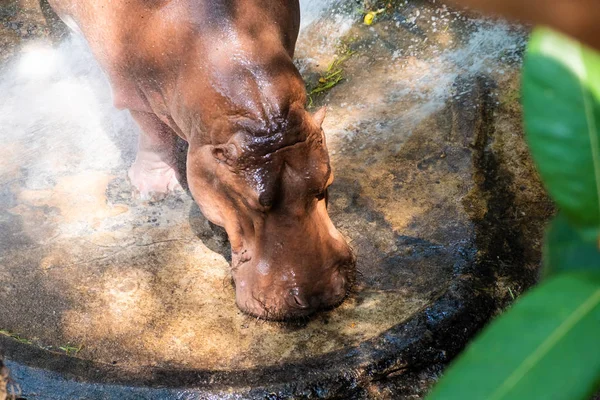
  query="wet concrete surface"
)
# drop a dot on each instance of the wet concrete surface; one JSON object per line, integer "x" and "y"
{"x": 433, "y": 188}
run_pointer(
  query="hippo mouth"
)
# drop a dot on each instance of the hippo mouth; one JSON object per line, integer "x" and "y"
{"x": 274, "y": 296}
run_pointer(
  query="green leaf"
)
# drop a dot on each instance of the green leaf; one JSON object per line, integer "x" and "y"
{"x": 566, "y": 250}
{"x": 547, "y": 346}
{"x": 561, "y": 103}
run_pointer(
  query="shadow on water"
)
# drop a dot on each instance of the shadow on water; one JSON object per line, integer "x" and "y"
{"x": 213, "y": 236}
{"x": 19, "y": 262}
{"x": 501, "y": 231}
{"x": 407, "y": 266}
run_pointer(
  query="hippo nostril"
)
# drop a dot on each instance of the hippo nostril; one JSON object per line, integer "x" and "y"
{"x": 339, "y": 283}
{"x": 300, "y": 301}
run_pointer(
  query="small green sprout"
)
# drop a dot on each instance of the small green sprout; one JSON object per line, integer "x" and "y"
{"x": 14, "y": 336}
{"x": 334, "y": 73}
{"x": 512, "y": 295}
{"x": 71, "y": 350}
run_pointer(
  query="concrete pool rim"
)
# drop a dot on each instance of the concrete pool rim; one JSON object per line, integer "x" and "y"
{"x": 432, "y": 336}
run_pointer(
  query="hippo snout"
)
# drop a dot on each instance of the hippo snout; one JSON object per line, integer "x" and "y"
{"x": 276, "y": 297}
{"x": 302, "y": 299}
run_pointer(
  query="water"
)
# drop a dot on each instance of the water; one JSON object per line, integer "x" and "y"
{"x": 428, "y": 81}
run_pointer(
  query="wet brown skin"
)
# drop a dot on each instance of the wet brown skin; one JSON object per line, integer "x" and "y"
{"x": 219, "y": 74}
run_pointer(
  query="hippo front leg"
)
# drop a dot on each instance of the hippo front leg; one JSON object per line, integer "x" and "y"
{"x": 154, "y": 172}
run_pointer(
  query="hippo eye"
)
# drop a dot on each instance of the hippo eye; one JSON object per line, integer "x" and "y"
{"x": 324, "y": 195}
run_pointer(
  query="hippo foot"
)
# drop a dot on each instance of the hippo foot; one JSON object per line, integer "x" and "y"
{"x": 153, "y": 180}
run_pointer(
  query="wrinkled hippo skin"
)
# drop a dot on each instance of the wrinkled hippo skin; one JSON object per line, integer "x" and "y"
{"x": 219, "y": 74}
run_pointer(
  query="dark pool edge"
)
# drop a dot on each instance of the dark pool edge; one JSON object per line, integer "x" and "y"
{"x": 433, "y": 336}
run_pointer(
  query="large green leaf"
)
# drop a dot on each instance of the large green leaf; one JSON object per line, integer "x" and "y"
{"x": 561, "y": 103}
{"x": 566, "y": 250}
{"x": 547, "y": 346}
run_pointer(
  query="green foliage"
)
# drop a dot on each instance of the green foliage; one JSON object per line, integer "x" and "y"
{"x": 561, "y": 101}
{"x": 565, "y": 249}
{"x": 544, "y": 348}
{"x": 547, "y": 346}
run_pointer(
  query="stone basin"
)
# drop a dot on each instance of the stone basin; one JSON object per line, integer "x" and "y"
{"x": 106, "y": 296}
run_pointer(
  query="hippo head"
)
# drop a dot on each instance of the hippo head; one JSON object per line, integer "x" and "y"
{"x": 267, "y": 186}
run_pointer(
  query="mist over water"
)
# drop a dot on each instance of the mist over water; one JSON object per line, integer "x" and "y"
{"x": 311, "y": 10}
{"x": 56, "y": 109}
{"x": 57, "y": 104}
{"x": 428, "y": 81}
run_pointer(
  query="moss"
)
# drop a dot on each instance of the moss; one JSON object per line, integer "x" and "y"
{"x": 71, "y": 350}
{"x": 15, "y": 336}
{"x": 334, "y": 74}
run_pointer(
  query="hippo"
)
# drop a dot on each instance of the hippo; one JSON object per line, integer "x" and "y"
{"x": 219, "y": 74}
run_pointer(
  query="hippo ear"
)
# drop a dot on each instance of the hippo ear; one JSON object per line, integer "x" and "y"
{"x": 225, "y": 153}
{"x": 319, "y": 116}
